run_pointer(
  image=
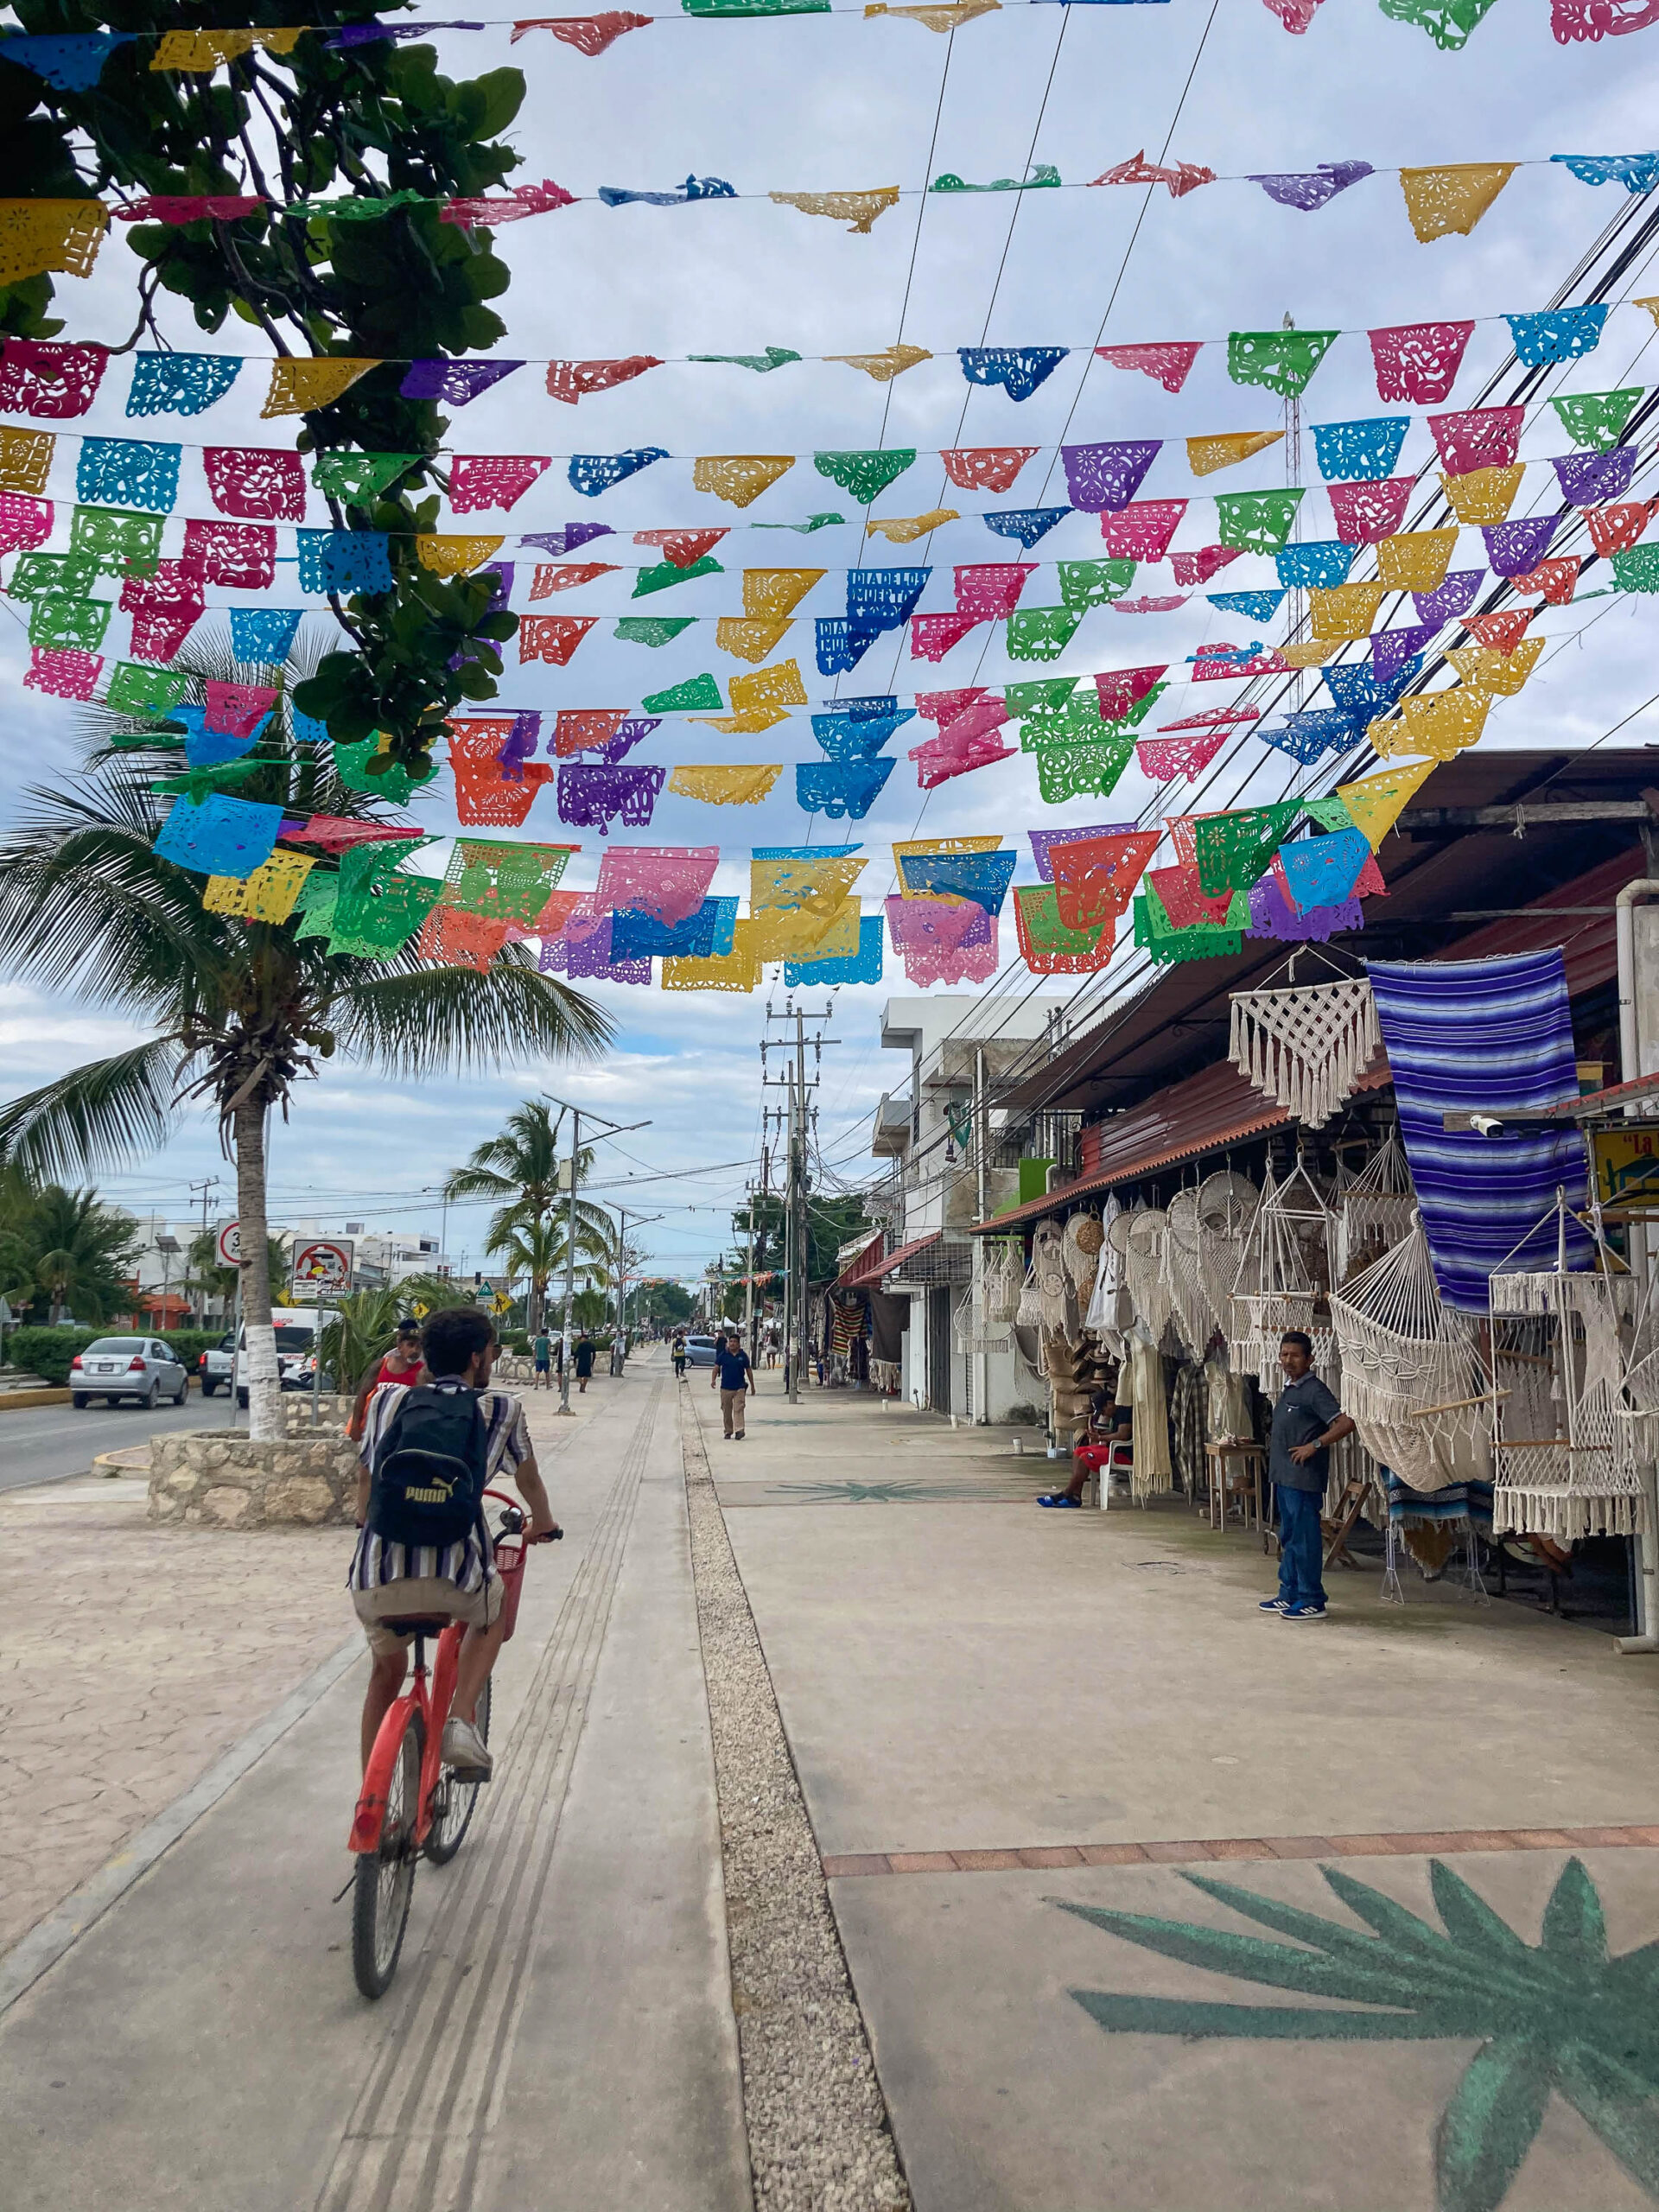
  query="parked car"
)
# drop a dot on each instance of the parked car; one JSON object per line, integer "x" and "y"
{"x": 113, "y": 1368}
{"x": 217, "y": 1365}
{"x": 295, "y": 1342}
{"x": 699, "y": 1351}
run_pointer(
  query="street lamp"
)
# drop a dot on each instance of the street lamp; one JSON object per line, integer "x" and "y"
{"x": 166, "y": 1245}
{"x": 611, "y": 1130}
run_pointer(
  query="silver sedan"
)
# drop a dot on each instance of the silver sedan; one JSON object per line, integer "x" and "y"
{"x": 114, "y": 1368}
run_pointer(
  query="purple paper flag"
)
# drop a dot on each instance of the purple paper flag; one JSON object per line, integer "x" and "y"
{"x": 628, "y": 734}
{"x": 567, "y": 539}
{"x": 1588, "y": 478}
{"x": 521, "y": 744}
{"x": 1455, "y": 595}
{"x": 589, "y": 956}
{"x": 1105, "y": 478}
{"x": 1392, "y": 649}
{"x": 1312, "y": 190}
{"x": 455, "y": 383}
{"x": 590, "y": 797}
{"x": 1272, "y": 915}
{"x": 1514, "y": 548}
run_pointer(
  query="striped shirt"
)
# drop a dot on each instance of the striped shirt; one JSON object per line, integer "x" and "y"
{"x": 468, "y": 1564}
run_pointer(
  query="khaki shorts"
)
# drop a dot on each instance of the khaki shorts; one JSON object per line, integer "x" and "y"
{"x": 415, "y": 1594}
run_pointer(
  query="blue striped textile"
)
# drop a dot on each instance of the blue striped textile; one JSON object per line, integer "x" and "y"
{"x": 1491, "y": 1034}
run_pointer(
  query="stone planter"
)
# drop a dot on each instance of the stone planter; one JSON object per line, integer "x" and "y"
{"x": 333, "y": 1413}
{"x": 222, "y": 1479}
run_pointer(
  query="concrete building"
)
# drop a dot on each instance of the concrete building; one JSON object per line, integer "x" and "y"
{"x": 381, "y": 1259}
{"x": 954, "y": 1158}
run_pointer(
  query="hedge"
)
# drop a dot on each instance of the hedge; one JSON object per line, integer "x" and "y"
{"x": 47, "y": 1352}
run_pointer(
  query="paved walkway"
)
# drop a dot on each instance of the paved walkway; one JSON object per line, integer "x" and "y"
{"x": 1149, "y": 1901}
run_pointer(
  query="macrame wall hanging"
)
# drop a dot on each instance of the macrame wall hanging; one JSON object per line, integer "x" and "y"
{"x": 1225, "y": 1210}
{"x": 1144, "y": 1273}
{"x": 1048, "y": 1269}
{"x": 1306, "y": 1047}
{"x": 1108, "y": 1313}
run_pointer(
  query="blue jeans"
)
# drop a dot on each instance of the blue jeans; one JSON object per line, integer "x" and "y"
{"x": 1301, "y": 1547}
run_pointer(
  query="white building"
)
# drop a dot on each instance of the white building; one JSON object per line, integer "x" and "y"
{"x": 954, "y": 1162}
{"x": 380, "y": 1258}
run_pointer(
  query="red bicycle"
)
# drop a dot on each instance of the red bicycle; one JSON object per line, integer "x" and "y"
{"x": 411, "y": 1805}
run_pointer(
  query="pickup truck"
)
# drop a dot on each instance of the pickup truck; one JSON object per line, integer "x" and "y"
{"x": 295, "y": 1340}
{"x": 215, "y": 1364}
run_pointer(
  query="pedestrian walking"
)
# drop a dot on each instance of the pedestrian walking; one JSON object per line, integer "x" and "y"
{"x": 1306, "y": 1422}
{"x": 582, "y": 1360}
{"x": 733, "y": 1377}
{"x": 677, "y": 1349}
{"x": 542, "y": 1352}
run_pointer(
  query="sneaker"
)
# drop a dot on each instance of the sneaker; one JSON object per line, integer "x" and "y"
{"x": 1059, "y": 1498}
{"x": 1304, "y": 1612}
{"x": 465, "y": 1750}
{"x": 1274, "y": 1605}
{"x": 738, "y": 1439}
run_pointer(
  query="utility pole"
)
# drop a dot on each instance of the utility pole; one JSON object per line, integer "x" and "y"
{"x": 611, "y": 1129}
{"x": 982, "y": 1194}
{"x": 791, "y": 1119}
{"x": 622, "y": 1280}
{"x": 749, "y": 1285}
{"x": 206, "y": 1187}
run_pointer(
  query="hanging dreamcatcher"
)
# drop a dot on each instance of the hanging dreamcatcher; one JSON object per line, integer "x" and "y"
{"x": 1108, "y": 1315}
{"x": 1144, "y": 1273}
{"x": 1196, "y": 1318}
{"x": 1225, "y": 1210}
{"x": 1048, "y": 1268}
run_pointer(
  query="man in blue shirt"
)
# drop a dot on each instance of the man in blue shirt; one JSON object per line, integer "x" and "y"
{"x": 733, "y": 1376}
{"x": 1306, "y": 1422}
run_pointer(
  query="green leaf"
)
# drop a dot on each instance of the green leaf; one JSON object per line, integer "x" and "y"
{"x": 1575, "y": 1930}
{"x": 1181, "y": 2016}
{"x": 1618, "y": 2104}
{"x": 1488, "y": 2127}
{"x": 96, "y": 1117}
{"x": 1470, "y": 1921}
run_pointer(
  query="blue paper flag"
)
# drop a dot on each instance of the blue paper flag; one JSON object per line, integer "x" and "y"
{"x": 1360, "y": 691}
{"x": 1557, "y": 334}
{"x": 219, "y": 835}
{"x": 881, "y": 599}
{"x": 344, "y": 561}
{"x": 1255, "y": 606}
{"x": 863, "y": 966}
{"x": 1026, "y": 524}
{"x": 1318, "y": 567}
{"x": 982, "y": 877}
{"x": 593, "y": 472}
{"x": 71, "y": 60}
{"x": 1323, "y": 871}
{"x": 840, "y": 787}
{"x": 708, "y": 934}
{"x": 127, "y": 473}
{"x": 180, "y": 384}
{"x": 694, "y": 188}
{"x": 264, "y": 633}
{"x": 308, "y": 729}
{"x": 1306, "y": 736}
{"x": 1362, "y": 452}
{"x": 837, "y": 649}
{"x": 843, "y": 733}
{"x": 1637, "y": 173}
{"x": 1018, "y": 369}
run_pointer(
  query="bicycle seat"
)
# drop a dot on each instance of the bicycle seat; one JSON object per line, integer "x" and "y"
{"x": 419, "y": 1624}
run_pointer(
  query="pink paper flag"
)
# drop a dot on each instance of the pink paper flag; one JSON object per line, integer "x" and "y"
{"x": 1142, "y": 532}
{"x": 1123, "y": 688}
{"x": 1163, "y": 759}
{"x": 1169, "y": 365}
{"x": 1206, "y": 561}
{"x": 1367, "y": 513}
{"x": 1418, "y": 361}
{"x": 496, "y": 479}
{"x": 932, "y": 636}
{"x": 988, "y": 590}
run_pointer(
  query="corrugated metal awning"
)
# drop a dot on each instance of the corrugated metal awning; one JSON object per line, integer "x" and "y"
{"x": 868, "y": 1274}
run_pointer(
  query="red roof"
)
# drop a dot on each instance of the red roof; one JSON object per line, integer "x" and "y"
{"x": 869, "y": 1272}
{"x": 872, "y": 1251}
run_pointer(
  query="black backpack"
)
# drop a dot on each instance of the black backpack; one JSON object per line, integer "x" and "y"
{"x": 426, "y": 1484}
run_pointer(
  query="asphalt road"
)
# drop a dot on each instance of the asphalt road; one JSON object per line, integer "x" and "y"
{"x": 39, "y": 1444}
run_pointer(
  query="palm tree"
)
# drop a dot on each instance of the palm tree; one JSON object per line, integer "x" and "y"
{"x": 81, "y": 1251}
{"x": 536, "y": 1248}
{"x": 239, "y": 1011}
{"x": 519, "y": 1168}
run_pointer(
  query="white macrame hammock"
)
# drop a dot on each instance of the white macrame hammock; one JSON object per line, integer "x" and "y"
{"x": 1306, "y": 1047}
{"x": 1145, "y": 1274}
{"x": 1226, "y": 1209}
{"x": 1378, "y": 1206}
{"x": 1195, "y": 1316}
{"x": 1284, "y": 1276}
{"x": 1562, "y": 1462}
{"x": 1411, "y": 1375}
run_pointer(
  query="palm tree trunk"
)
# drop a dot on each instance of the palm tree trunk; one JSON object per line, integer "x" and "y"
{"x": 264, "y": 1392}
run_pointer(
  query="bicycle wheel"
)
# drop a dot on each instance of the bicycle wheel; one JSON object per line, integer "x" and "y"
{"x": 452, "y": 1815}
{"x": 385, "y": 1878}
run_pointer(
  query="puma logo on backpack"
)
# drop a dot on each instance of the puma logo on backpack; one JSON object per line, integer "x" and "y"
{"x": 426, "y": 1484}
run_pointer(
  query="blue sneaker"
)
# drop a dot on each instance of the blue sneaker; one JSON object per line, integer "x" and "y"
{"x": 1274, "y": 1605}
{"x": 1059, "y": 1498}
{"x": 1304, "y": 1612}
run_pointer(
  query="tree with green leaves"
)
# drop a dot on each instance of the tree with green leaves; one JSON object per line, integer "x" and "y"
{"x": 661, "y": 1301}
{"x": 66, "y": 1250}
{"x": 239, "y": 1011}
{"x": 518, "y": 1169}
{"x": 830, "y": 1222}
{"x": 207, "y": 1275}
{"x": 535, "y": 1250}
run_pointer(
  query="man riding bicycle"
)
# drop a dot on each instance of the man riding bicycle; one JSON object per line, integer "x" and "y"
{"x": 391, "y": 1581}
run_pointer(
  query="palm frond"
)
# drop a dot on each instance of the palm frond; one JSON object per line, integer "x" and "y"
{"x": 457, "y": 1019}
{"x": 96, "y": 1117}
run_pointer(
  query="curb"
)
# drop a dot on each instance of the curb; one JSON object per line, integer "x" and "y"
{"x": 13, "y": 1401}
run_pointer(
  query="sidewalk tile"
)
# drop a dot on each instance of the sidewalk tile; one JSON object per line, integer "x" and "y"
{"x": 856, "y": 1862}
{"x": 1298, "y": 1847}
{"x": 985, "y": 1862}
{"x": 921, "y": 1862}
{"x": 1064, "y": 1854}
{"x": 1114, "y": 1854}
{"x": 1174, "y": 1854}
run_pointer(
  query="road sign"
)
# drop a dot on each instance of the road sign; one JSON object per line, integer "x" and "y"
{"x": 323, "y": 1269}
{"x": 230, "y": 1244}
{"x": 1627, "y": 1167}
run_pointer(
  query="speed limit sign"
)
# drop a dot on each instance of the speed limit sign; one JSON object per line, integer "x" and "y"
{"x": 230, "y": 1244}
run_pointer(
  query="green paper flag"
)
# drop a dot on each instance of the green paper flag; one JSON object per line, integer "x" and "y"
{"x": 1259, "y": 522}
{"x": 1044, "y": 175}
{"x": 695, "y": 696}
{"x": 358, "y": 477}
{"x": 1283, "y": 360}
{"x": 316, "y": 901}
{"x": 773, "y": 358}
{"x": 1330, "y": 813}
{"x": 1448, "y": 23}
{"x": 1094, "y": 583}
{"x": 664, "y": 575}
{"x": 67, "y": 575}
{"x": 197, "y": 783}
{"x": 117, "y": 545}
{"x": 1041, "y": 633}
{"x": 376, "y": 911}
{"x": 1596, "y": 419}
{"x": 756, "y": 7}
{"x": 69, "y": 625}
{"x": 866, "y": 476}
{"x": 804, "y": 529}
{"x": 1042, "y": 696}
{"x": 352, "y": 766}
{"x": 1157, "y": 935}
{"x": 136, "y": 691}
{"x": 1235, "y": 850}
{"x": 652, "y": 629}
{"x": 1637, "y": 569}
{"x": 1066, "y": 771}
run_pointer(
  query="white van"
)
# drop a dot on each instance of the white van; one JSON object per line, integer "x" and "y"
{"x": 296, "y": 1338}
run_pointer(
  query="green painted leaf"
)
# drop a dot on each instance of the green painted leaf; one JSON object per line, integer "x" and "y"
{"x": 1405, "y": 1933}
{"x": 1470, "y": 1921}
{"x": 1181, "y": 2016}
{"x": 1575, "y": 1930}
{"x": 1618, "y": 2104}
{"x": 1247, "y": 1958}
{"x": 1488, "y": 2127}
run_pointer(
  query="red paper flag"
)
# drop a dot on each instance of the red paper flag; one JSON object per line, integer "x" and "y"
{"x": 1612, "y": 529}
{"x": 1554, "y": 578}
{"x": 1501, "y": 632}
{"x": 552, "y": 638}
{"x": 575, "y": 728}
{"x": 681, "y": 548}
{"x": 985, "y": 468}
{"x": 573, "y": 380}
{"x": 551, "y": 575}
{"x": 1095, "y": 877}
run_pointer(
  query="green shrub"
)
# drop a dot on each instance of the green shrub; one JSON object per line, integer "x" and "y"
{"x": 47, "y": 1352}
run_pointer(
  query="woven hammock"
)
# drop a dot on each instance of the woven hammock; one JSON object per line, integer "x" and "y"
{"x": 1152, "y": 1472}
{"x": 1195, "y": 1316}
{"x": 1377, "y": 1206}
{"x": 1306, "y": 1048}
{"x": 1224, "y": 1209}
{"x": 1284, "y": 1275}
{"x": 1563, "y": 1467}
{"x": 1411, "y": 1373}
{"x": 1004, "y": 1277}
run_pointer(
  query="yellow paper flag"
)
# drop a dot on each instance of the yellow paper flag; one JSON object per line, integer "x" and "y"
{"x": 914, "y": 845}
{"x": 736, "y": 970}
{"x": 198, "y": 52}
{"x": 38, "y": 235}
{"x": 1205, "y": 455}
{"x": 267, "y": 895}
{"x": 717, "y": 786}
{"x": 749, "y": 637}
{"x": 812, "y": 889}
{"x": 1346, "y": 612}
{"x": 740, "y": 478}
{"x": 858, "y": 210}
{"x": 1440, "y": 201}
{"x": 1375, "y": 801}
{"x": 25, "y": 459}
{"x": 1416, "y": 559}
{"x": 784, "y": 934}
{"x": 884, "y": 367}
{"x": 948, "y": 18}
{"x": 1652, "y": 306}
{"x": 1485, "y": 494}
{"x": 1309, "y": 653}
{"x": 1438, "y": 723}
{"x": 777, "y": 592}
{"x": 454, "y": 556}
{"x": 779, "y": 686}
{"x": 302, "y": 384}
{"x": 905, "y": 530}
{"x": 1503, "y": 674}
{"x": 749, "y": 724}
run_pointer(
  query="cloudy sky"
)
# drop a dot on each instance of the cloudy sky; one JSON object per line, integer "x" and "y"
{"x": 839, "y": 102}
